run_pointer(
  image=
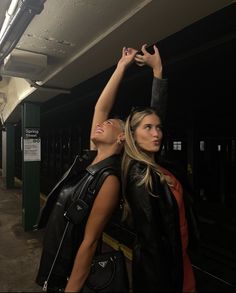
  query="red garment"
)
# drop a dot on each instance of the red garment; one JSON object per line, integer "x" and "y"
{"x": 189, "y": 283}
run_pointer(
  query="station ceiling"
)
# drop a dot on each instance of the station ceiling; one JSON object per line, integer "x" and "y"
{"x": 84, "y": 38}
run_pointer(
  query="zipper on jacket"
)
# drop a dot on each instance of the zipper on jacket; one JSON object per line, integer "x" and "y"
{"x": 45, "y": 286}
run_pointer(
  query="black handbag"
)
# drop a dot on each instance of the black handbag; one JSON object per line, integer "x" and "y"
{"x": 108, "y": 273}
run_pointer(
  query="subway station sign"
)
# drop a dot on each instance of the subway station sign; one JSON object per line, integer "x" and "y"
{"x": 32, "y": 145}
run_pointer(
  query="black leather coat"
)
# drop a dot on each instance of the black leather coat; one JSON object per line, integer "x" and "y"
{"x": 74, "y": 182}
{"x": 157, "y": 253}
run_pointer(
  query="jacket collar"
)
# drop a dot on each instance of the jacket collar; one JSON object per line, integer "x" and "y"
{"x": 113, "y": 161}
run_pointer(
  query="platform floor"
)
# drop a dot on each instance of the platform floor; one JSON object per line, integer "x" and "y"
{"x": 19, "y": 250}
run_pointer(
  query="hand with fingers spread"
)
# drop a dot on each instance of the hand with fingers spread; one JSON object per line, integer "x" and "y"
{"x": 127, "y": 58}
{"x": 152, "y": 60}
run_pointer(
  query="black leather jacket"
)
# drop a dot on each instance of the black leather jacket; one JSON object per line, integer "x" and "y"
{"x": 52, "y": 216}
{"x": 157, "y": 253}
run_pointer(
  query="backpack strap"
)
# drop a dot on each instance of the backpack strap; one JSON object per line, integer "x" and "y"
{"x": 93, "y": 189}
{"x": 99, "y": 179}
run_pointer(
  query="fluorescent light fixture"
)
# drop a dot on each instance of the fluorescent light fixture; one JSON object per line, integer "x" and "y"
{"x": 24, "y": 12}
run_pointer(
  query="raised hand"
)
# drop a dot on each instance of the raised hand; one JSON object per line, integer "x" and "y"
{"x": 152, "y": 60}
{"x": 127, "y": 58}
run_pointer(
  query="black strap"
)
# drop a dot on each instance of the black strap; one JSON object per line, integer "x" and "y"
{"x": 97, "y": 185}
{"x": 91, "y": 187}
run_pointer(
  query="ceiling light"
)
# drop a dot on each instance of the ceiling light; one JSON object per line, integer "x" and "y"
{"x": 16, "y": 26}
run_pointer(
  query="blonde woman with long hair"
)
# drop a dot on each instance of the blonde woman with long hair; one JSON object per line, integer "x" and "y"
{"x": 154, "y": 197}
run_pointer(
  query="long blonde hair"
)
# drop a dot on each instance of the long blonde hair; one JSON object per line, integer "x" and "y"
{"x": 132, "y": 152}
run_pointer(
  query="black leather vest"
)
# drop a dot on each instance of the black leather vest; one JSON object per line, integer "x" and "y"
{"x": 52, "y": 215}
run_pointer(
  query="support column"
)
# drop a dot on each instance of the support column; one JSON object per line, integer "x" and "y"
{"x": 31, "y": 156}
{"x": 8, "y": 155}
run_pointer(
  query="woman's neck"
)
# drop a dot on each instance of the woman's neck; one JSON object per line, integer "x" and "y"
{"x": 151, "y": 155}
{"x": 102, "y": 155}
{"x": 104, "y": 151}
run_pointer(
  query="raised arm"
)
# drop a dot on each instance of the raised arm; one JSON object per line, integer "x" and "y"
{"x": 107, "y": 98}
{"x": 159, "y": 97}
{"x": 159, "y": 85}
